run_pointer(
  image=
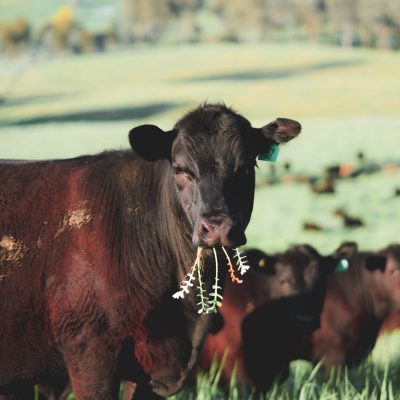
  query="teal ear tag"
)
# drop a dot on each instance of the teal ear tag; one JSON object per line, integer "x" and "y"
{"x": 271, "y": 154}
{"x": 342, "y": 265}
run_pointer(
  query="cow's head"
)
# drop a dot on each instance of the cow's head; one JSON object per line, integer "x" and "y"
{"x": 212, "y": 153}
{"x": 385, "y": 266}
{"x": 301, "y": 273}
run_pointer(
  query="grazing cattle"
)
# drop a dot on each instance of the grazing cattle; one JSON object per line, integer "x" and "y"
{"x": 356, "y": 302}
{"x": 298, "y": 270}
{"x": 92, "y": 249}
{"x": 348, "y": 221}
{"x": 312, "y": 226}
{"x": 322, "y": 186}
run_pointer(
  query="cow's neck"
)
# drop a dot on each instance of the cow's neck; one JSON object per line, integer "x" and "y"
{"x": 159, "y": 237}
{"x": 146, "y": 229}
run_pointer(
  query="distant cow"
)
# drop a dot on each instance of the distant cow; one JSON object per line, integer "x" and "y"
{"x": 348, "y": 221}
{"x": 92, "y": 249}
{"x": 299, "y": 270}
{"x": 356, "y": 302}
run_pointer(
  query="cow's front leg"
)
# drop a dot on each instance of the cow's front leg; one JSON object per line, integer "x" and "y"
{"x": 91, "y": 362}
{"x": 93, "y": 379}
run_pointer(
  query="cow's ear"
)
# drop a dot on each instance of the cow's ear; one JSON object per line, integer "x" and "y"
{"x": 281, "y": 130}
{"x": 151, "y": 143}
{"x": 375, "y": 262}
{"x": 269, "y": 137}
{"x": 339, "y": 260}
{"x": 260, "y": 261}
{"x": 345, "y": 250}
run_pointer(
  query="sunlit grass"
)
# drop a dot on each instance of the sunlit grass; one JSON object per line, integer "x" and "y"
{"x": 368, "y": 381}
{"x": 297, "y": 80}
{"x": 280, "y": 211}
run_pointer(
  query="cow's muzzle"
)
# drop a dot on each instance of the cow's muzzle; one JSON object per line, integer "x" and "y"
{"x": 220, "y": 232}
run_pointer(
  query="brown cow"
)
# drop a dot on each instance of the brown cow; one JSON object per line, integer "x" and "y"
{"x": 299, "y": 270}
{"x": 356, "y": 302}
{"x": 92, "y": 249}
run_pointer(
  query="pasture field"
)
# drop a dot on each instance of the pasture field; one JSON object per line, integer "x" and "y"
{"x": 347, "y": 101}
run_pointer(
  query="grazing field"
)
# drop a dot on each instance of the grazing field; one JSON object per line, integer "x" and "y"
{"x": 347, "y": 101}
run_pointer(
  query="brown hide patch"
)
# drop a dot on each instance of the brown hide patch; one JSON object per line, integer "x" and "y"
{"x": 11, "y": 250}
{"x": 74, "y": 219}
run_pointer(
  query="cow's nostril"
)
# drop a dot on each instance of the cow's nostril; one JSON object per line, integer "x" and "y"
{"x": 208, "y": 227}
{"x": 205, "y": 228}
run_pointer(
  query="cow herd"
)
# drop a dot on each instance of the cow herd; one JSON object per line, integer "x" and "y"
{"x": 93, "y": 248}
{"x": 301, "y": 305}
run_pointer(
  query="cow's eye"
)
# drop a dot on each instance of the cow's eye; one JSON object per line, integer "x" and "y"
{"x": 184, "y": 173}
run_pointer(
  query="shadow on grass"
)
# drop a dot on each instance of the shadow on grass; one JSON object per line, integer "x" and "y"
{"x": 6, "y": 102}
{"x": 268, "y": 74}
{"x": 104, "y": 114}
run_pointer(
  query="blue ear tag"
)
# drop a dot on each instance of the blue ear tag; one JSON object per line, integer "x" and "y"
{"x": 271, "y": 154}
{"x": 342, "y": 265}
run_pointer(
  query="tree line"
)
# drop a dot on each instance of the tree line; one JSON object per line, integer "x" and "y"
{"x": 369, "y": 23}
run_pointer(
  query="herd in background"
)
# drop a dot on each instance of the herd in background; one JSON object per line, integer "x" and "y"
{"x": 324, "y": 184}
{"x": 301, "y": 305}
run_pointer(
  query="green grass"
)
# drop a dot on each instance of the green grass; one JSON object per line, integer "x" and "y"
{"x": 366, "y": 382}
{"x": 347, "y": 101}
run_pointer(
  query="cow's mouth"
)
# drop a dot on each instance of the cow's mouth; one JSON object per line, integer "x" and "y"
{"x": 211, "y": 300}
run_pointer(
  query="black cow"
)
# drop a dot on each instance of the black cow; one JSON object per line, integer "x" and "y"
{"x": 92, "y": 249}
{"x": 268, "y": 347}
